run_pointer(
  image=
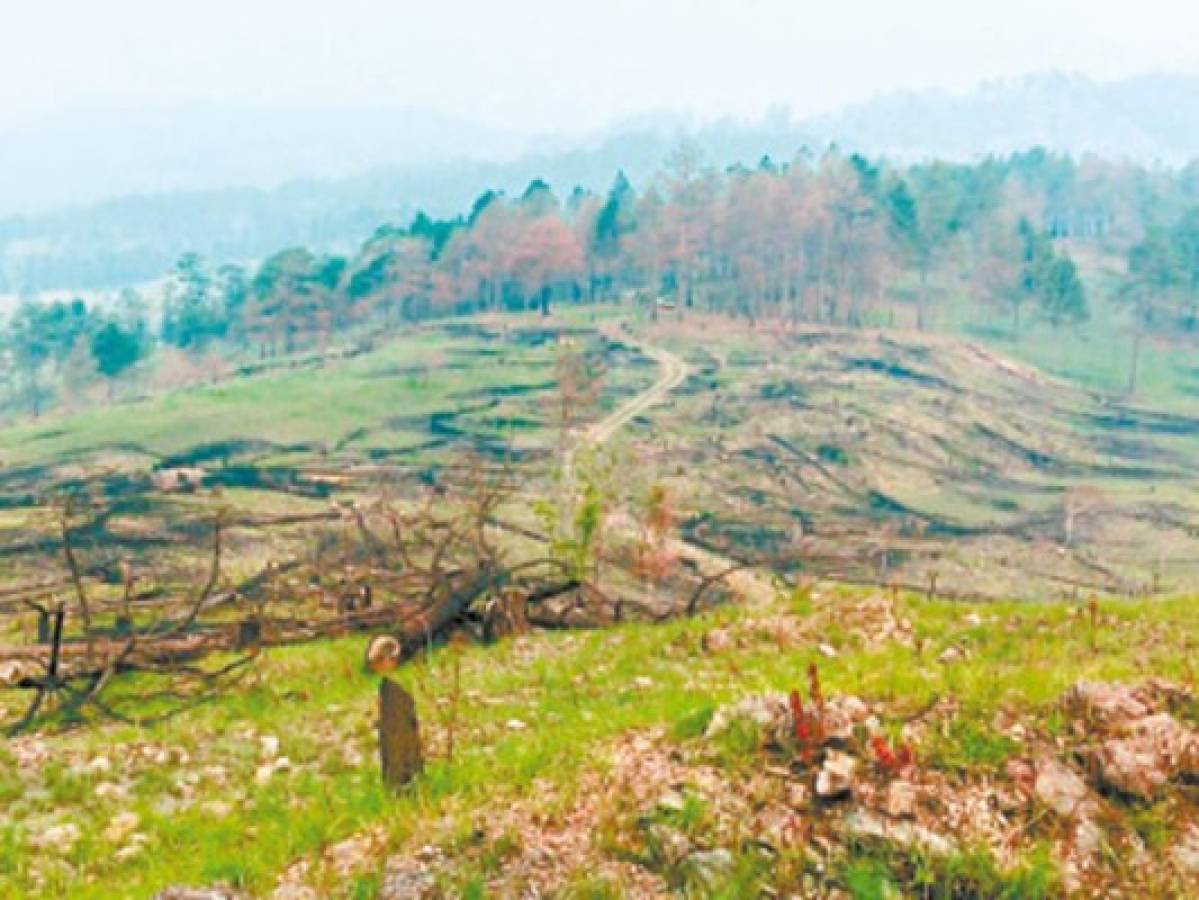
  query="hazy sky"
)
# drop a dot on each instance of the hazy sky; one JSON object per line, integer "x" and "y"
{"x": 562, "y": 65}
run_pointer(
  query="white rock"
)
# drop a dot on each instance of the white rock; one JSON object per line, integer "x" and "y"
{"x": 128, "y": 852}
{"x": 121, "y": 826}
{"x": 515, "y": 725}
{"x": 835, "y": 778}
{"x": 1062, "y": 790}
{"x": 951, "y": 655}
{"x": 56, "y": 838}
{"x": 901, "y": 799}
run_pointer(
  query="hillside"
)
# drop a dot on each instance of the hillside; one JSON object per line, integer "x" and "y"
{"x": 634, "y": 734}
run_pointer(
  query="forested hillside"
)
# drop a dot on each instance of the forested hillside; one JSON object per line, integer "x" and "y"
{"x": 325, "y": 178}
{"x": 1032, "y": 242}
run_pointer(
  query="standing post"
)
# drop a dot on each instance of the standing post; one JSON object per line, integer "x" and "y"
{"x": 399, "y": 735}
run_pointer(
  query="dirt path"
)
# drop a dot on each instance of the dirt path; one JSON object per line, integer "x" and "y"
{"x": 756, "y": 587}
{"x": 674, "y": 373}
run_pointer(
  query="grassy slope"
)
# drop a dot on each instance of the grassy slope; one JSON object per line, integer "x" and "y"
{"x": 207, "y": 819}
{"x": 575, "y": 693}
{"x": 283, "y": 407}
{"x": 1096, "y": 354}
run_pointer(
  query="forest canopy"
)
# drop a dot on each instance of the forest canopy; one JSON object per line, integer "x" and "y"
{"x": 839, "y": 240}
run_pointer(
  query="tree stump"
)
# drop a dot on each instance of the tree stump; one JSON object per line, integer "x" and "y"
{"x": 249, "y": 634}
{"x": 399, "y": 735}
{"x": 383, "y": 654}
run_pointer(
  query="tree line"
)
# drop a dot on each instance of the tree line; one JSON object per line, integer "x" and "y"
{"x": 835, "y": 239}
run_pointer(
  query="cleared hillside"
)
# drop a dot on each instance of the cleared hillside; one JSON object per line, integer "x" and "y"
{"x": 886, "y": 456}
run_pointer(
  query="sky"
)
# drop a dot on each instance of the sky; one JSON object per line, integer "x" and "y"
{"x": 543, "y": 66}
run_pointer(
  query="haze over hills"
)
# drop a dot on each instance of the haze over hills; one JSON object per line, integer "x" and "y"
{"x": 1150, "y": 118}
{"x": 235, "y": 184}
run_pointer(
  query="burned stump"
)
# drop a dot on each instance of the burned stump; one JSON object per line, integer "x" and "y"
{"x": 399, "y": 735}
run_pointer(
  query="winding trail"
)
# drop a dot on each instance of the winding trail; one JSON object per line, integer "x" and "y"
{"x": 674, "y": 373}
{"x": 753, "y": 586}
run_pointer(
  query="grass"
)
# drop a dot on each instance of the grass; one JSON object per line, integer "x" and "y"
{"x": 207, "y": 819}
{"x": 341, "y": 405}
{"x": 875, "y": 873}
{"x": 1096, "y": 354}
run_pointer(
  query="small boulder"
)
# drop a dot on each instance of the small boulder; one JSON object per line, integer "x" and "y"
{"x": 718, "y": 640}
{"x": 1062, "y": 790}
{"x": 901, "y": 799}
{"x": 835, "y": 778}
{"x": 56, "y": 838}
{"x": 1152, "y": 752}
{"x": 122, "y": 825}
{"x": 1105, "y": 703}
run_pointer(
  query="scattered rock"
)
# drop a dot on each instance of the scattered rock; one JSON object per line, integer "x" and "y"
{"x": 951, "y": 654}
{"x": 129, "y": 851}
{"x": 718, "y": 640}
{"x": 672, "y": 801}
{"x": 56, "y": 838}
{"x": 268, "y": 746}
{"x": 98, "y": 766}
{"x": 861, "y": 823}
{"x": 111, "y": 790}
{"x": 1154, "y": 751}
{"x": 901, "y": 799}
{"x": 122, "y": 825}
{"x": 290, "y": 891}
{"x": 1104, "y": 703}
{"x": 406, "y": 879}
{"x": 841, "y": 714}
{"x": 1141, "y": 750}
{"x": 354, "y": 853}
{"x": 1063, "y": 791}
{"x": 835, "y": 778}
{"x": 770, "y": 713}
{"x": 263, "y": 774}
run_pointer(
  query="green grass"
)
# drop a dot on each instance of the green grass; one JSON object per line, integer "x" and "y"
{"x": 1096, "y": 354}
{"x": 288, "y": 407}
{"x": 575, "y": 692}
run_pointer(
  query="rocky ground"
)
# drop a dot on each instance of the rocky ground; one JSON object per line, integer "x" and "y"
{"x": 823, "y": 742}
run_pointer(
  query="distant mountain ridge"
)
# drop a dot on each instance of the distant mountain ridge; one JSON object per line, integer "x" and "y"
{"x": 327, "y": 178}
{"x": 1149, "y": 118}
